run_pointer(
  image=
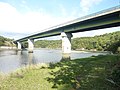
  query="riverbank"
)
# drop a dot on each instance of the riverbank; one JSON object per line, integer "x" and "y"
{"x": 76, "y": 51}
{"x": 88, "y": 51}
{"x": 7, "y": 48}
{"x": 93, "y": 73}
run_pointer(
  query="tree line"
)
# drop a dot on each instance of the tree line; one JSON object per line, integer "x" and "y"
{"x": 105, "y": 42}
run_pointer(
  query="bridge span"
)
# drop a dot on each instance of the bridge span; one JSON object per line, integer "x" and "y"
{"x": 103, "y": 19}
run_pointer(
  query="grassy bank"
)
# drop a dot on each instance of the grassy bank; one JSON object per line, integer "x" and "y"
{"x": 93, "y": 73}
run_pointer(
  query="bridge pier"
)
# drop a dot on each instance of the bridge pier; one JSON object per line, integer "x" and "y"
{"x": 19, "y": 46}
{"x": 30, "y": 45}
{"x": 66, "y": 44}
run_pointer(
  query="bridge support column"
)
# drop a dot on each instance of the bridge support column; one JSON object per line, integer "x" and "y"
{"x": 30, "y": 45}
{"x": 66, "y": 44}
{"x": 19, "y": 46}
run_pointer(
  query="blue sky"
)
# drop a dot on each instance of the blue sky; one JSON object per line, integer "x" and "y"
{"x": 19, "y": 18}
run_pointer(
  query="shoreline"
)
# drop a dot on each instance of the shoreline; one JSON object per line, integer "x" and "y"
{"x": 76, "y": 51}
{"x": 72, "y": 51}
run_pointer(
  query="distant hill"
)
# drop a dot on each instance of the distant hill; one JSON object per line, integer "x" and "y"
{"x": 6, "y": 41}
{"x": 108, "y": 41}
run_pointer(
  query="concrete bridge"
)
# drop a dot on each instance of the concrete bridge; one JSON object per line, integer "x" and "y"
{"x": 103, "y": 19}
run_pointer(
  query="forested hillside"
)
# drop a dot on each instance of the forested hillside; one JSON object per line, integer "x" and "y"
{"x": 48, "y": 44}
{"x": 5, "y": 41}
{"x": 109, "y": 42}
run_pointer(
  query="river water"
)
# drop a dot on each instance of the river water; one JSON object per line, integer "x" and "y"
{"x": 10, "y": 60}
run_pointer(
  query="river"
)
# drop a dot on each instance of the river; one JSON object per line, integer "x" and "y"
{"x": 10, "y": 60}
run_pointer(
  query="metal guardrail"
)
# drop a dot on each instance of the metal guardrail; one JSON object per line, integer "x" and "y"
{"x": 91, "y": 15}
{"x": 101, "y": 12}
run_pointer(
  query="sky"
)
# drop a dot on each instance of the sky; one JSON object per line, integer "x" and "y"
{"x": 19, "y": 18}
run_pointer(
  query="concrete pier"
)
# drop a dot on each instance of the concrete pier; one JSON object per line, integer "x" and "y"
{"x": 30, "y": 45}
{"x": 19, "y": 46}
{"x": 66, "y": 43}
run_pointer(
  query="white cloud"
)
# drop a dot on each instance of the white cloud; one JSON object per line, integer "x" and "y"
{"x": 8, "y": 16}
{"x": 87, "y": 4}
{"x": 13, "y": 21}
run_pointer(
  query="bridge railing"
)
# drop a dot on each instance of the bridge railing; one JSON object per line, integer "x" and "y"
{"x": 101, "y": 12}
{"x": 91, "y": 15}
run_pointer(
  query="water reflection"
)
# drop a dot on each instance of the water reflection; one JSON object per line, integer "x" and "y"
{"x": 26, "y": 58}
{"x": 19, "y": 53}
{"x": 10, "y": 60}
{"x": 31, "y": 59}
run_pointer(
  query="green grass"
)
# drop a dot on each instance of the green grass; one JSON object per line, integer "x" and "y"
{"x": 93, "y": 73}
{"x": 30, "y": 78}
